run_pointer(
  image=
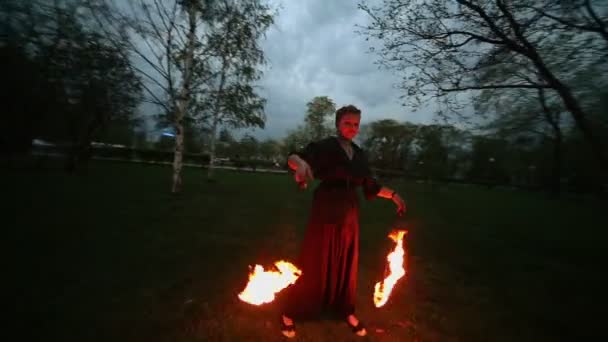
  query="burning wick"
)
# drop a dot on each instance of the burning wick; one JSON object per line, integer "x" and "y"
{"x": 383, "y": 289}
{"x": 264, "y": 285}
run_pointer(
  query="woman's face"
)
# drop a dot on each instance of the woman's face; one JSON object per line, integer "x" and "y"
{"x": 348, "y": 126}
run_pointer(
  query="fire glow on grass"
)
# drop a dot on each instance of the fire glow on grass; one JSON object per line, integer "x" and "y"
{"x": 263, "y": 284}
{"x": 383, "y": 289}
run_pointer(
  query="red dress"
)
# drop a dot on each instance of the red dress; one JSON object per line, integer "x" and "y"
{"x": 330, "y": 251}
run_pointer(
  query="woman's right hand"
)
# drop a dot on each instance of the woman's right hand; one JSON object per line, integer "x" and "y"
{"x": 303, "y": 174}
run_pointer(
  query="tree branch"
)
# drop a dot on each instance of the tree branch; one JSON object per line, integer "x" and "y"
{"x": 153, "y": 79}
{"x": 497, "y": 31}
{"x": 497, "y": 86}
{"x": 600, "y": 23}
{"x": 514, "y": 25}
{"x": 546, "y": 111}
{"x": 471, "y": 35}
{"x": 156, "y": 68}
{"x": 599, "y": 29}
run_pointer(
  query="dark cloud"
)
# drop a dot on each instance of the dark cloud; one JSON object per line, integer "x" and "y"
{"x": 313, "y": 50}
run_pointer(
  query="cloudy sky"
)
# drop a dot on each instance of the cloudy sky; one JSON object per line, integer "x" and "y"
{"x": 313, "y": 50}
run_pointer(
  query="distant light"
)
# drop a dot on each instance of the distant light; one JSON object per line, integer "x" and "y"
{"x": 167, "y": 134}
{"x": 40, "y": 142}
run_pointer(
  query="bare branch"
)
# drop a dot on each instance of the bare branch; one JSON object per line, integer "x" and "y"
{"x": 150, "y": 77}
{"x": 156, "y": 100}
{"x": 471, "y": 35}
{"x": 154, "y": 26}
{"x": 498, "y": 86}
{"x": 162, "y": 12}
{"x": 601, "y": 25}
{"x": 601, "y": 28}
{"x": 494, "y": 28}
{"x": 546, "y": 111}
{"x": 161, "y": 72}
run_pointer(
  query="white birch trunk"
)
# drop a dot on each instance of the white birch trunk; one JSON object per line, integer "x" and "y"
{"x": 212, "y": 149}
{"x": 179, "y": 152}
{"x": 183, "y": 101}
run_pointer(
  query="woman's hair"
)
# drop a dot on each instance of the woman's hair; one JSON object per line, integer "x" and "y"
{"x": 344, "y": 110}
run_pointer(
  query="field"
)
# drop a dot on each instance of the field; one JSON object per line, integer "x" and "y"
{"x": 113, "y": 256}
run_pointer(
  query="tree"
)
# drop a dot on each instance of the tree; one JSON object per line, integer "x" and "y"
{"x": 580, "y": 168}
{"x": 107, "y": 91}
{"x": 531, "y": 114}
{"x": 318, "y": 110}
{"x": 165, "y": 143}
{"x": 489, "y": 159}
{"x": 270, "y": 149}
{"x": 195, "y": 136}
{"x": 224, "y": 144}
{"x": 433, "y": 153}
{"x": 248, "y": 147}
{"x": 81, "y": 80}
{"x": 167, "y": 41}
{"x": 388, "y": 141}
{"x": 444, "y": 48}
{"x": 457, "y": 143}
{"x": 316, "y": 125}
{"x": 229, "y": 97}
{"x": 123, "y": 132}
{"x": 21, "y": 117}
{"x": 295, "y": 140}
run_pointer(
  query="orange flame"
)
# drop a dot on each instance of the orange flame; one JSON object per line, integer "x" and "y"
{"x": 383, "y": 289}
{"x": 263, "y": 285}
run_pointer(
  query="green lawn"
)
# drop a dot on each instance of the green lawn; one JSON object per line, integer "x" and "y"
{"x": 112, "y": 256}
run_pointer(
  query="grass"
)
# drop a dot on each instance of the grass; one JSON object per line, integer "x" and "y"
{"x": 112, "y": 256}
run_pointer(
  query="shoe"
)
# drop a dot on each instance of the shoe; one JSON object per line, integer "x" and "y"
{"x": 288, "y": 330}
{"x": 358, "y": 329}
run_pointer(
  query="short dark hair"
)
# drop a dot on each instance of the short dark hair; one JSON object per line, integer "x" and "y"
{"x": 344, "y": 110}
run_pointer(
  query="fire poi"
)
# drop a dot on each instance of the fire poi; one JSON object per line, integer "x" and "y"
{"x": 382, "y": 290}
{"x": 263, "y": 285}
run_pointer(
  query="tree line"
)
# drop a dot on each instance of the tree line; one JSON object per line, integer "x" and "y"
{"x": 440, "y": 152}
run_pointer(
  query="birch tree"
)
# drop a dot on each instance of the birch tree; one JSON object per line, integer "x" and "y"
{"x": 167, "y": 43}
{"x": 230, "y": 97}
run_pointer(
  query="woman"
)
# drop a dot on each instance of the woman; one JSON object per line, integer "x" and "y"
{"x": 330, "y": 250}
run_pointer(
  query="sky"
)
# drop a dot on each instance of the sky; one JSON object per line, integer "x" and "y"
{"x": 313, "y": 50}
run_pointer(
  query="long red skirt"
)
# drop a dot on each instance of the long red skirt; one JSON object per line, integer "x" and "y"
{"x": 328, "y": 257}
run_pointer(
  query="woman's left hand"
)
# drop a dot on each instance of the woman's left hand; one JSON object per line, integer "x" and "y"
{"x": 399, "y": 203}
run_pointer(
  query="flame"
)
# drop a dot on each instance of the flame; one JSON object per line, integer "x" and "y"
{"x": 263, "y": 285}
{"x": 383, "y": 289}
